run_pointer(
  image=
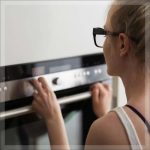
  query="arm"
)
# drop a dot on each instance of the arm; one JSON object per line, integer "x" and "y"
{"x": 46, "y": 104}
{"x": 96, "y": 137}
{"x": 103, "y": 132}
{"x": 101, "y": 101}
{"x": 107, "y": 130}
{"x": 57, "y": 135}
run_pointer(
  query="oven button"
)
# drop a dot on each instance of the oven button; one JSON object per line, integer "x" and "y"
{"x": 57, "y": 81}
{"x": 5, "y": 88}
{"x": 88, "y": 73}
{"x": 95, "y": 71}
{"x": 100, "y": 71}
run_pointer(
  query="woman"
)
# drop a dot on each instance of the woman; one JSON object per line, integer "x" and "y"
{"x": 124, "y": 51}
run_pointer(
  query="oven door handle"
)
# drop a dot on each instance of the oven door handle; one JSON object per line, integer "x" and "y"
{"x": 28, "y": 109}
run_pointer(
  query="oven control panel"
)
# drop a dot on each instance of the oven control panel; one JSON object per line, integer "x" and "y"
{"x": 60, "y": 74}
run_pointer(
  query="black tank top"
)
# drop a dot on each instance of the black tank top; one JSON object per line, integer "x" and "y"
{"x": 141, "y": 116}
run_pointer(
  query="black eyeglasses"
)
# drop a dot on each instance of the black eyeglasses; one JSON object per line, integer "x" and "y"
{"x": 99, "y": 35}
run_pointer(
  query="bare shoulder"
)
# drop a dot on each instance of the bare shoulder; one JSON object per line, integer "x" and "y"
{"x": 107, "y": 130}
{"x": 105, "y": 123}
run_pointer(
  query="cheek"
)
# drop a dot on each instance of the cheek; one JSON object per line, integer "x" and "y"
{"x": 111, "y": 57}
{"x": 108, "y": 54}
{"x": 106, "y": 49}
{"x": 109, "y": 49}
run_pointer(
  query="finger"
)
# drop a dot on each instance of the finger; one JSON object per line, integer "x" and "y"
{"x": 35, "y": 105}
{"x": 47, "y": 87}
{"x": 37, "y": 86}
{"x": 92, "y": 87}
{"x": 102, "y": 89}
{"x": 35, "y": 95}
{"x": 38, "y": 99}
{"x": 95, "y": 94}
{"x": 44, "y": 83}
{"x": 107, "y": 86}
{"x": 100, "y": 86}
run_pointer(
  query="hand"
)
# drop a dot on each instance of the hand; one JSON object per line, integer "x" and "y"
{"x": 101, "y": 98}
{"x": 46, "y": 104}
{"x": 45, "y": 101}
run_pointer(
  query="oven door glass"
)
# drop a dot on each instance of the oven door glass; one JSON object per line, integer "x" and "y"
{"x": 29, "y": 132}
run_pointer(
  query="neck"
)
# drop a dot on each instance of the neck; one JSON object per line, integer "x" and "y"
{"x": 137, "y": 90}
{"x": 134, "y": 87}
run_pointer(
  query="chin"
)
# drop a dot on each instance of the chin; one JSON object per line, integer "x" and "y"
{"x": 110, "y": 72}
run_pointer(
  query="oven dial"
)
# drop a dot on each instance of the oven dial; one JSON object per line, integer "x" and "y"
{"x": 57, "y": 81}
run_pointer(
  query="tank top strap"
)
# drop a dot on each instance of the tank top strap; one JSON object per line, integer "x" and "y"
{"x": 129, "y": 127}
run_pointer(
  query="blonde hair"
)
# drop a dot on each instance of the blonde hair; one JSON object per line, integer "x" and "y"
{"x": 130, "y": 18}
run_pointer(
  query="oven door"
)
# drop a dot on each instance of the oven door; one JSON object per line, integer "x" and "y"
{"x": 22, "y": 129}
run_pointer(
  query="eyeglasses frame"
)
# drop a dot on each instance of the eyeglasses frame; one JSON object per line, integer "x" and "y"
{"x": 101, "y": 31}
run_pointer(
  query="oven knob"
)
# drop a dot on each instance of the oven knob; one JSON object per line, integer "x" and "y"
{"x": 57, "y": 81}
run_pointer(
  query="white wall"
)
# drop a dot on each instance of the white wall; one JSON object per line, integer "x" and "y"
{"x": 41, "y": 30}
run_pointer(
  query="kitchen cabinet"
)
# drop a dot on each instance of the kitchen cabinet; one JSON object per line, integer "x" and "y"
{"x": 41, "y": 30}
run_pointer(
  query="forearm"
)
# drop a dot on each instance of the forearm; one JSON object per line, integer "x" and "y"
{"x": 57, "y": 134}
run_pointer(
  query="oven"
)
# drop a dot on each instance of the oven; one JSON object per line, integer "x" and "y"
{"x": 70, "y": 79}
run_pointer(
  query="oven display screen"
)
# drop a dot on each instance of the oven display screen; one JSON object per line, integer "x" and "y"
{"x": 40, "y": 70}
{"x": 59, "y": 68}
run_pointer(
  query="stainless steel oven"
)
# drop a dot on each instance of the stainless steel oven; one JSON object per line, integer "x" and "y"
{"x": 70, "y": 79}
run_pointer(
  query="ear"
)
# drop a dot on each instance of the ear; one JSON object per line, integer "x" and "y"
{"x": 123, "y": 44}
